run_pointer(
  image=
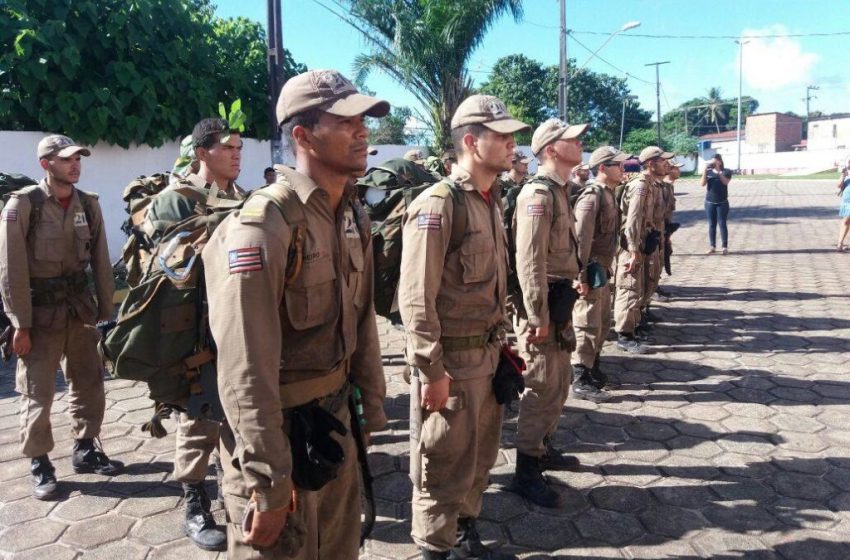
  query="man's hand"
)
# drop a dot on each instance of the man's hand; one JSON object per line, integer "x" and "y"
{"x": 266, "y": 527}
{"x": 583, "y": 288}
{"x": 538, "y": 335}
{"x": 21, "y": 342}
{"x": 435, "y": 394}
{"x": 633, "y": 265}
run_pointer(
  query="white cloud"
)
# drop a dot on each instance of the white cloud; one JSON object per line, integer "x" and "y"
{"x": 771, "y": 63}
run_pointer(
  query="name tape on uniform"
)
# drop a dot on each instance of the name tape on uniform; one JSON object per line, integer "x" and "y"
{"x": 535, "y": 210}
{"x": 429, "y": 221}
{"x": 80, "y": 219}
{"x": 245, "y": 259}
{"x": 10, "y": 215}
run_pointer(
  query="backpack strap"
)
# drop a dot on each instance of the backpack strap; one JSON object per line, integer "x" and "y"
{"x": 444, "y": 190}
{"x": 361, "y": 220}
{"x": 86, "y": 199}
{"x": 553, "y": 188}
{"x": 284, "y": 197}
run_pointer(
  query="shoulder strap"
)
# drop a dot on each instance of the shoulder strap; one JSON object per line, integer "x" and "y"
{"x": 86, "y": 200}
{"x": 361, "y": 220}
{"x": 284, "y": 197}
{"x": 445, "y": 189}
{"x": 553, "y": 188}
{"x": 37, "y": 199}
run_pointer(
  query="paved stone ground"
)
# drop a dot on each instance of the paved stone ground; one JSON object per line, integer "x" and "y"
{"x": 730, "y": 440}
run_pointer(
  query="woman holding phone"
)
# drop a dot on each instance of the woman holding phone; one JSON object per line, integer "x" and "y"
{"x": 844, "y": 209}
{"x": 715, "y": 179}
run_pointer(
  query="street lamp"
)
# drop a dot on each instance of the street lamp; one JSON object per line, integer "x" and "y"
{"x": 626, "y": 99}
{"x": 740, "y": 85}
{"x": 626, "y": 27}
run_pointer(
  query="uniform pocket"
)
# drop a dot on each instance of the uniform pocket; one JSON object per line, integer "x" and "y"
{"x": 435, "y": 442}
{"x": 478, "y": 259}
{"x": 312, "y": 300}
{"x": 49, "y": 244}
{"x": 83, "y": 239}
{"x": 355, "y": 276}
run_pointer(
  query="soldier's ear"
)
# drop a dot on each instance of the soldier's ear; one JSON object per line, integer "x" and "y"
{"x": 44, "y": 163}
{"x": 301, "y": 136}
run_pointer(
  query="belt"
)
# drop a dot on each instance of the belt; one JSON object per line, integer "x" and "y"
{"x": 301, "y": 392}
{"x": 460, "y": 343}
{"x": 50, "y": 291}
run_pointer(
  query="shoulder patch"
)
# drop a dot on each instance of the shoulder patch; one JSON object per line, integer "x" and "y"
{"x": 535, "y": 209}
{"x": 10, "y": 215}
{"x": 429, "y": 220}
{"x": 245, "y": 259}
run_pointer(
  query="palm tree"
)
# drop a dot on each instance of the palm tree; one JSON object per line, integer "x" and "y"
{"x": 715, "y": 110}
{"x": 425, "y": 45}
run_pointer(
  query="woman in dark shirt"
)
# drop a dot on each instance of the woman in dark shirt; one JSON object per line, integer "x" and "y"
{"x": 715, "y": 179}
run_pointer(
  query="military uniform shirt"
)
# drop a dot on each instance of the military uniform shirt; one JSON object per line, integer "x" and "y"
{"x": 452, "y": 293}
{"x": 635, "y": 212}
{"x": 62, "y": 243}
{"x": 546, "y": 244}
{"x": 269, "y": 334}
{"x": 596, "y": 226}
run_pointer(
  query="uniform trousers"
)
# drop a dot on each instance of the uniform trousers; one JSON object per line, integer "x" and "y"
{"x": 195, "y": 440}
{"x": 629, "y": 294}
{"x": 592, "y": 322}
{"x": 451, "y": 454}
{"x": 74, "y": 348}
{"x": 548, "y": 376}
{"x": 331, "y": 515}
{"x": 653, "y": 266}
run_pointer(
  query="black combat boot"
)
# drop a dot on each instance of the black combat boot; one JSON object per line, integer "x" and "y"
{"x": 583, "y": 387}
{"x": 199, "y": 525}
{"x": 597, "y": 376}
{"x": 43, "y": 478}
{"x": 90, "y": 458}
{"x": 469, "y": 544}
{"x": 433, "y": 554}
{"x": 529, "y": 482}
{"x": 554, "y": 459}
{"x": 628, "y": 343}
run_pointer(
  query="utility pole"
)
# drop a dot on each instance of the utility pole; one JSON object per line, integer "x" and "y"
{"x": 808, "y": 98}
{"x": 623, "y": 118}
{"x": 563, "y": 84}
{"x": 658, "y": 96}
{"x": 740, "y": 87}
{"x": 275, "y": 65}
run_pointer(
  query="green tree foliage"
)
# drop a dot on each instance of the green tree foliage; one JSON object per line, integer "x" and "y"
{"x": 709, "y": 114}
{"x": 426, "y": 47}
{"x": 521, "y": 83}
{"x": 126, "y": 71}
{"x": 639, "y": 138}
{"x": 391, "y": 129}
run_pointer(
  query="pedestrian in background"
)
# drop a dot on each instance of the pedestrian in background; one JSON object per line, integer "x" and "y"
{"x": 844, "y": 209}
{"x": 715, "y": 179}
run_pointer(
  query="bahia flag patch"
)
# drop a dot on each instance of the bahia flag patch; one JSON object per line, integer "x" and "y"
{"x": 10, "y": 215}
{"x": 429, "y": 221}
{"x": 246, "y": 259}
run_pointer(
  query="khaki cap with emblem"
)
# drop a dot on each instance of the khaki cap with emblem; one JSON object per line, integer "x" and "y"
{"x": 606, "y": 155}
{"x": 520, "y": 157}
{"x": 488, "y": 111}
{"x": 414, "y": 155}
{"x": 552, "y": 130}
{"x": 329, "y": 91}
{"x": 652, "y": 152}
{"x": 59, "y": 145}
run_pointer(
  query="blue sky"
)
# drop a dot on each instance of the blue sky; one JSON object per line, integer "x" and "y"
{"x": 776, "y": 70}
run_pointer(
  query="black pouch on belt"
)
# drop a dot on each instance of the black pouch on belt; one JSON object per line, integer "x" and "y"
{"x": 316, "y": 456}
{"x": 508, "y": 383}
{"x": 597, "y": 276}
{"x": 653, "y": 240}
{"x": 562, "y": 297}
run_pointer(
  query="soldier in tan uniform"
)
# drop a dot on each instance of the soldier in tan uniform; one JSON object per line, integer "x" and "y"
{"x": 597, "y": 228}
{"x": 452, "y": 302}
{"x": 655, "y": 260}
{"x": 635, "y": 209}
{"x": 49, "y": 234}
{"x": 547, "y": 266}
{"x": 673, "y": 173}
{"x": 218, "y": 151}
{"x": 292, "y": 313}
{"x": 580, "y": 174}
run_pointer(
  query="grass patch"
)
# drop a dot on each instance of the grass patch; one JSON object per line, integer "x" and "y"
{"x": 820, "y": 175}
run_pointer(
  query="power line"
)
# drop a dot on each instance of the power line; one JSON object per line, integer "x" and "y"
{"x": 618, "y": 69}
{"x": 719, "y": 37}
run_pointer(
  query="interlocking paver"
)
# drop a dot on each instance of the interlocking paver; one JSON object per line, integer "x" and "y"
{"x": 730, "y": 440}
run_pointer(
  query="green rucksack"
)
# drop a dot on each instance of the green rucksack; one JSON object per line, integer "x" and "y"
{"x": 386, "y": 191}
{"x": 161, "y": 335}
{"x": 138, "y": 196}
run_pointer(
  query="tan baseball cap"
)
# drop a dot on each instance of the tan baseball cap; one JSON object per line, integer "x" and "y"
{"x": 555, "y": 129}
{"x": 59, "y": 145}
{"x": 329, "y": 91}
{"x": 652, "y": 152}
{"x": 607, "y": 154}
{"x": 674, "y": 163}
{"x": 520, "y": 157}
{"x": 489, "y": 111}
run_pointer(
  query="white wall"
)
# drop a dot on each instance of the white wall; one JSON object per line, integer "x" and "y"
{"x": 111, "y": 168}
{"x": 781, "y": 162}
